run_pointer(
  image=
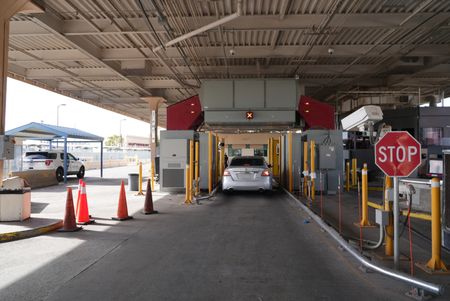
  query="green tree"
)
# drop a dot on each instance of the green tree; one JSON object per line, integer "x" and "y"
{"x": 113, "y": 140}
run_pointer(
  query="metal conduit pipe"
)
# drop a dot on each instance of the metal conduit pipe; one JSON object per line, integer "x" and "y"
{"x": 162, "y": 59}
{"x": 198, "y": 199}
{"x": 203, "y": 28}
{"x": 426, "y": 286}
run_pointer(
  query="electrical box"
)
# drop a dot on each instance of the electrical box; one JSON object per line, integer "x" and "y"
{"x": 327, "y": 157}
{"x": 174, "y": 156}
{"x": 381, "y": 217}
{"x": 7, "y": 147}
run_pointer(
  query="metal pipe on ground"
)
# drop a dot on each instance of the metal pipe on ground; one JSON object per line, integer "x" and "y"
{"x": 424, "y": 285}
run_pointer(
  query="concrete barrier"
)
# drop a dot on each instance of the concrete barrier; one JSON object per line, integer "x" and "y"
{"x": 37, "y": 178}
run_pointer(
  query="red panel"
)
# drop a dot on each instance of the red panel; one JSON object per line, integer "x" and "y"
{"x": 185, "y": 115}
{"x": 317, "y": 115}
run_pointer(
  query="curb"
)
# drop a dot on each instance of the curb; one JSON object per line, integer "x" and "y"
{"x": 11, "y": 236}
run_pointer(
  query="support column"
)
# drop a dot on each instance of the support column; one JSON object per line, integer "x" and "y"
{"x": 8, "y": 9}
{"x": 154, "y": 104}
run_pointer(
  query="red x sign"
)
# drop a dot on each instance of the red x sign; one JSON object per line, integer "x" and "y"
{"x": 249, "y": 115}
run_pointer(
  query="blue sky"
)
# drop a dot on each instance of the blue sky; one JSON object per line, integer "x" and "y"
{"x": 27, "y": 103}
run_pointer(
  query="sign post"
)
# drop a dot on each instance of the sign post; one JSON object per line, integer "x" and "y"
{"x": 397, "y": 154}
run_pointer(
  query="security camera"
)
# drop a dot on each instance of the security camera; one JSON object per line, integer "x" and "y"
{"x": 330, "y": 51}
{"x": 232, "y": 52}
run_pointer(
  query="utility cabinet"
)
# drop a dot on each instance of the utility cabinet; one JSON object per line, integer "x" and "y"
{"x": 174, "y": 156}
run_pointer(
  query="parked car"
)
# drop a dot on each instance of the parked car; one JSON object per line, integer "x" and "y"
{"x": 247, "y": 173}
{"x": 54, "y": 160}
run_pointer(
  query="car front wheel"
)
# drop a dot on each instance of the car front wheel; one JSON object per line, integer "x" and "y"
{"x": 80, "y": 173}
{"x": 60, "y": 174}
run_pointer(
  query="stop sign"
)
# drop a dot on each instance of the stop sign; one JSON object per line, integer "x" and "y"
{"x": 397, "y": 154}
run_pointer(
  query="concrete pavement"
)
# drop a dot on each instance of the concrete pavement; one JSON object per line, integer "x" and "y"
{"x": 241, "y": 247}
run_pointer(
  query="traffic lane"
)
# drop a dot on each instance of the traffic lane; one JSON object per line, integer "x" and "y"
{"x": 239, "y": 247}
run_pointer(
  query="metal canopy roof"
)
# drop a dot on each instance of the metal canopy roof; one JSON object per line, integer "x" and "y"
{"x": 42, "y": 131}
{"x": 103, "y": 51}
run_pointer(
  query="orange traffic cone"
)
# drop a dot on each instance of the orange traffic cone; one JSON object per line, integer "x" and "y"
{"x": 80, "y": 183}
{"x": 69, "y": 224}
{"x": 148, "y": 205}
{"x": 83, "y": 216}
{"x": 122, "y": 210}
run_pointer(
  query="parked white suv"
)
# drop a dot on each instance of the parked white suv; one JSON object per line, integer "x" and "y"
{"x": 54, "y": 160}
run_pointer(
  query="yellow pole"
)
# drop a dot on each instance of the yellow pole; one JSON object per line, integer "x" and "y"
{"x": 313, "y": 169}
{"x": 140, "y": 180}
{"x": 388, "y": 239}
{"x": 365, "y": 198}
{"x": 191, "y": 167}
{"x": 153, "y": 175}
{"x": 305, "y": 168}
{"x": 354, "y": 166}
{"x": 210, "y": 163}
{"x": 347, "y": 176}
{"x": 222, "y": 157}
{"x": 197, "y": 168}
{"x": 269, "y": 151}
{"x": 217, "y": 159}
{"x": 436, "y": 263}
{"x": 280, "y": 161}
{"x": 290, "y": 171}
{"x": 188, "y": 193}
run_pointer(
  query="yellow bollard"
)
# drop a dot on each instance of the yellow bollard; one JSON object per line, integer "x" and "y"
{"x": 191, "y": 167}
{"x": 347, "y": 176}
{"x": 218, "y": 175}
{"x": 436, "y": 263}
{"x": 354, "y": 176}
{"x": 188, "y": 193}
{"x": 222, "y": 157}
{"x": 388, "y": 239}
{"x": 153, "y": 175}
{"x": 313, "y": 170}
{"x": 197, "y": 167}
{"x": 210, "y": 163}
{"x": 289, "y": 167}
{"x": 140, "y": 180}
{"x": 365, "y": 198}
{"x": 269, "y": 151}
{"x": 305, "y": 168}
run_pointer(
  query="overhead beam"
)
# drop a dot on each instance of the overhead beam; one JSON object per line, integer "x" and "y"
{"x": 284, "y": 51}
{"x": 100, "y": 74}
{"x": 127, "y": 54}
{"x": 54, "y": 25}
{"x": 248, "y": 22}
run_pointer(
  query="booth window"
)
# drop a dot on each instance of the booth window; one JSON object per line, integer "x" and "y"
{"x": 431, "y": 136}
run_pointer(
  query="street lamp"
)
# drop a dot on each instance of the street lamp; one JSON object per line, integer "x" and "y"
{"x": 57, "y": 119}
{"x": 57, "y": 112}
{"x": 120, "y": 130}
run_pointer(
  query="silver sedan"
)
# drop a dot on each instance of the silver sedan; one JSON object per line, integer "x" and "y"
{"x": 247, "y": 173}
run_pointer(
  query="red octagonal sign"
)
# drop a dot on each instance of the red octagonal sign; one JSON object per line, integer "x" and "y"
{"x": 397, "y": 154}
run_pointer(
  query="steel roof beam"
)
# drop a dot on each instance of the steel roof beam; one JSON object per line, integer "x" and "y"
{"x": 54, "y": 25}
{"x": 106, "y": 75}
{"x": 249, "y": 22}
{"x": 126, "y": 54}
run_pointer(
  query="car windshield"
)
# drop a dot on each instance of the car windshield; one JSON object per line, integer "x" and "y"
{"x": 250, "y": 161}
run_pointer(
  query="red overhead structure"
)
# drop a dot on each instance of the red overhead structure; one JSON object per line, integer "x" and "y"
{"x": 185, "y": 115}
{"x": 317, "y": 115}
